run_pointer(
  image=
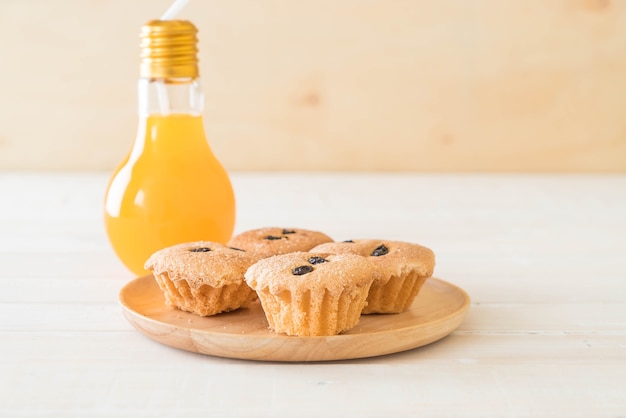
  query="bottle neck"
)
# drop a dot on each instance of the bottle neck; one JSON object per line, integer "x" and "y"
{"x": 163, "y": 97}
{"x": 170, "y": 119}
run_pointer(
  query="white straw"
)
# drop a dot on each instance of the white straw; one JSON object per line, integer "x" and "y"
{"x": 162, "y": 97}
{"x": 174, "y": 9}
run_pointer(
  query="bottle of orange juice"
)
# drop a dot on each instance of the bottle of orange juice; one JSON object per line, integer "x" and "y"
{"x": 170, "y": 188}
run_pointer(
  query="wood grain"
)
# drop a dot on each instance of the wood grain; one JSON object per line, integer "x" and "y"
{"x": 438, "y": 309}
{"x": 450, "y": 85}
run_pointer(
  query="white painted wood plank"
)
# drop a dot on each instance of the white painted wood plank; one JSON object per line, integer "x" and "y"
{"x": 551, "y": 318}
{"x": 528, "y": 197}
{"x": 23, "y": 265}
{"x": 53, "y": 237}
{"x": 473, "y": 376}
{"x": 51, "y": 290}
{"x": 70, "y": 316}
{"x": 52, "y": 196}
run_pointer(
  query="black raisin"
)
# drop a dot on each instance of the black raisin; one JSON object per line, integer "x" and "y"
{"x": 272, "y": 237}
{"x": 317, "y": 260}
{"x": 288, "y": 231}
{"x": 380, "y": 250}
{"x": 299, "y": 271}
{"x": 236, "y": 249}
{"x": 200, "y": 250}
{"x": 348, "y": 240}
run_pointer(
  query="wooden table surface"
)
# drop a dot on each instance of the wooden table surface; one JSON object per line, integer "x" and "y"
{"x": 543, "y": 258}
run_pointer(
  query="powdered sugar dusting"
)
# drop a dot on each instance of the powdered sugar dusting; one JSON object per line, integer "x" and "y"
{"x": 217, "y": 267}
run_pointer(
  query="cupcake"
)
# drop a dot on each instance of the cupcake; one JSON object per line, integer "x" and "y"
{"x": 204, "y": 278}
{"x": 266, "y": 242}
{"x": 403, "y": 269}
{"x": 306, "y": 294}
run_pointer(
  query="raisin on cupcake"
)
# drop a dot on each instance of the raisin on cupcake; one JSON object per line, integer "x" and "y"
{"x": 204, "y": 278}
{"x": 266, "y": 242}
{"x": 403, "y": 268}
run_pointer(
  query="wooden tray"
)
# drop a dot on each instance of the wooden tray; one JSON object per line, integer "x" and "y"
{"x": 437, "y": 311}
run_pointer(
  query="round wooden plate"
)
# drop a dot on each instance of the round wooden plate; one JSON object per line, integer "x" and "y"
{"x": 438, "y": 310}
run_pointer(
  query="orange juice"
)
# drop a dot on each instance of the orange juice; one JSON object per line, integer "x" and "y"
{"x": 170, "y": 189}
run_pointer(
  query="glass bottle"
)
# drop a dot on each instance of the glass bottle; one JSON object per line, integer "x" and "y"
{"x": 170, "y": 188}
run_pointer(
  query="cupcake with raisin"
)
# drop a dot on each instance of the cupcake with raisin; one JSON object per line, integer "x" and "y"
{"x": 204, "y": 278}
{"x": 266, "y": 242}
{"x": 403, "y": 269}
{"x": 306, "y": 294}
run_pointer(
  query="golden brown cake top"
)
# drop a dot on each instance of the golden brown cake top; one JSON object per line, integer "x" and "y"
{"x": 392, "y": 258}
{"x": 315, "y": 271}
{"x": 201, "y": 262}
{"x": 266, "y": 242}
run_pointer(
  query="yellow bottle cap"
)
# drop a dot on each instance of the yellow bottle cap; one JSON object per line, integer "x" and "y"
{"x": 169, "y": 49}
